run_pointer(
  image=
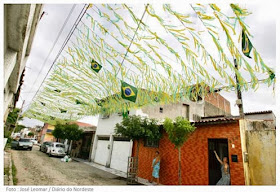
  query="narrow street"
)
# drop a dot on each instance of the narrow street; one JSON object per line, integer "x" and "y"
{"x": 37, "y": 168}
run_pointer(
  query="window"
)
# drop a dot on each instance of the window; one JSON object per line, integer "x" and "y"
{"x": 60, "y": 145}
{"x": 151, "y": 143}
{"x": 186, "y": 111}
{"x": 161, "y": 110}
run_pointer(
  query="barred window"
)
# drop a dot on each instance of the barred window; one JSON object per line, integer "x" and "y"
{"x": 151, "y": 143}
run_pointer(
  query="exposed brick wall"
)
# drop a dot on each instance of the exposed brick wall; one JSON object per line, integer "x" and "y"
{"x": 219, "y": 101}
{"x": 194, "y": 156}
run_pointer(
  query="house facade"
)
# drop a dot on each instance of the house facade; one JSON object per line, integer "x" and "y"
{"x": 199, "y": 164}
{"x": 112, "y": 151}
{"x": 230, "y": 137}
{"x": 20, "y": 23}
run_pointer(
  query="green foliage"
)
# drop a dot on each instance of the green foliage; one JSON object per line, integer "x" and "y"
{"x": 72, "y": 132}
{"x": 30, "y": 134}
{"x": 179, "y": 131}
{"x": 135, "y": 128}
{"x": 12, "y": 117}
{"x": 7, "y": 133}
{"x": 151, "y": 127}
{"x": 130, "y": 127}
{"x": 14, "y": 173}
{"x": 19, "y": 128}
{"x": 58, "y": 132}
{"x": 67, "y": 131}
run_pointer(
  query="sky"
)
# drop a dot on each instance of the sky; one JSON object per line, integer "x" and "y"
{"x": 262, "y": 26}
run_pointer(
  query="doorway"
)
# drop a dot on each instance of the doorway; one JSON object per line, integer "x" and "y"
{"x": 221, "y": 147}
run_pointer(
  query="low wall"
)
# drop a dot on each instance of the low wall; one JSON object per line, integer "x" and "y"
{"x": 261, "y": 148}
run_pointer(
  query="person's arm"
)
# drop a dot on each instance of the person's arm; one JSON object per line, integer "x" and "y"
{"x": 218, "y": 158}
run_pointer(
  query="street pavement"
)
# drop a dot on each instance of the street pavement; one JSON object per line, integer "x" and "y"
{"x": 37, "y": 168}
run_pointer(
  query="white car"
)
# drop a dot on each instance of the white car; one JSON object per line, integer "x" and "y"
{"x": 34, "y": 141}
{"x": 56, "y": 149}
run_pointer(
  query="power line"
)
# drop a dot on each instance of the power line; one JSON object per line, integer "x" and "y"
{"x": 54, "y": 44}
{"x": 80, "y": 16}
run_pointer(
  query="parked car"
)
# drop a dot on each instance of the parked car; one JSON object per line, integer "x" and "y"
{"x": 34, "y": 141}
{"x": 22, "y": 143}
{"x": 56, "y": 149}
{"x": 44, "y": 146}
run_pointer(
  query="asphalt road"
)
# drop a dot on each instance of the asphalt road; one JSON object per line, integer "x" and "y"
{"x": 37, "y": 168}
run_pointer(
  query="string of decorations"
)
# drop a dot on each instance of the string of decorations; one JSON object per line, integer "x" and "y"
{"x": 117, "y": 60}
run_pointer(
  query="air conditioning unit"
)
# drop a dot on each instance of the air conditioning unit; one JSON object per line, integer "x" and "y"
{"x": 196, "y": 117}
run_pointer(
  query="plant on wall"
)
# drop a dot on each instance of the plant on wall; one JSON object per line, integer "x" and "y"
{"x": 178, "y": 133}
{"x": 136, "y": 128}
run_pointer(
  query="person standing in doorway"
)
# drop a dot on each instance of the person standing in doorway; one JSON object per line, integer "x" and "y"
{"x": 156, "y": 168}
{"x": 225, "y": 180}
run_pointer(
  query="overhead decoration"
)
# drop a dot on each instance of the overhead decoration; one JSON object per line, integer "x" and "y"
{"x": 128, "y": 92}
{"x": 95, "y": 66}
{"x": 246, "y": 44}
{"x": 122, "y": 57}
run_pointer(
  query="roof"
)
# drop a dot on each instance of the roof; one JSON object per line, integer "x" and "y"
{"x": 258, "y": 112}
{"x": 81, "y": 124}
{"x": 217, "y": 121}
{"x": 226, "y": 119}
{"x": 85, "y": 126}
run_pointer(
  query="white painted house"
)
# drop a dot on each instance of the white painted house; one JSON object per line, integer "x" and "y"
{"x": 112, "y": 151}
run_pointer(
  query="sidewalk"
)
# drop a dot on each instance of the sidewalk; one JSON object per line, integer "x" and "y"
{"x": 112, "y": 171}
{"x": 8, "y": 178}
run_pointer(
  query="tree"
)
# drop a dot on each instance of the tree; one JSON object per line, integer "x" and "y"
{"x": 136, "y": 128}
{"x": 19, "y": 128}
{"x": 30, "y": 134}
{"x": 12, "y": 117}
{"x": 67, "y": 131}
{"x": 58, "y": 132}
{"x": 131, "y": 127}
{"x": 178, "y": 133}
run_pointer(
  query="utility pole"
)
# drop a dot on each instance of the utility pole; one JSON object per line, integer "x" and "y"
{"x": 239, "y": 101}
{"x": 19, "y": 113}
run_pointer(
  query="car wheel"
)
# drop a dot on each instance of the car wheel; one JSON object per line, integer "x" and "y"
{"x": 30, "y": 149}
{"x": 50, "y": 154}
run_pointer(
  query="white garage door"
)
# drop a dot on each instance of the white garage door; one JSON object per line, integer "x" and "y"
{"x": 120, "y": 153}
{"x": 101, "y": 154}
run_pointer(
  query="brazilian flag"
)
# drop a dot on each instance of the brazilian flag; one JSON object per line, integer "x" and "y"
{"x": 246, "y": 44}
{"x": 95, "y": 66}
{"x": 128, "y": 92}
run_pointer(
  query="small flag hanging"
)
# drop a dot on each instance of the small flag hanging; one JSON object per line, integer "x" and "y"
{"x": 128, "y": 92}
{"x": 95, "y": 66}
{"x": 57, "y": 90}
{"x": 246, "y": 44}
{"x": 63, "y": 111}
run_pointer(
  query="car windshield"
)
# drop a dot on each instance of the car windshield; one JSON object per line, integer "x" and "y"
{"x": 60, "y": 145}
{"x": 24, "y": 140}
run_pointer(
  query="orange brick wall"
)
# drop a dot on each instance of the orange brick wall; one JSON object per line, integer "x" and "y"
{"x": 219, "y": 101}
{"x": 194, "y": 156}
